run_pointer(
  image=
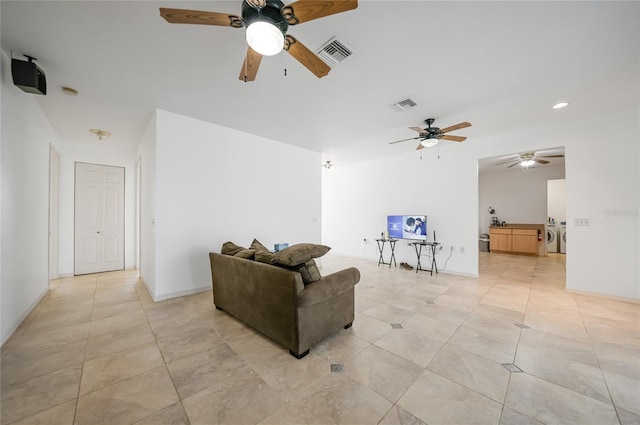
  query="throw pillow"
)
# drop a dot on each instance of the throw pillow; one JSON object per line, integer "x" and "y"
{"x": 258, "y": 246}
{"x": 246, "y": 253}
{"x": 309, "y": 271}
{"x": 229, "y": 248}
{"x": 264, "y": 257}
{"x": 300, "y": 253}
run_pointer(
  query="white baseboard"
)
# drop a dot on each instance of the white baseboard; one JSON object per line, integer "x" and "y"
{"x": 178, "y": 294}
{"x": 22, "y": 317}
{"x": 605, "y": 296}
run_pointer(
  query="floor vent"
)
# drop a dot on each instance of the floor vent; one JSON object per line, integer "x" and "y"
{"x": 337, "y": 367}
{"x": 511, "y": 367}
{"x": 334, "y": 51}
{"x": 405, "y": 104}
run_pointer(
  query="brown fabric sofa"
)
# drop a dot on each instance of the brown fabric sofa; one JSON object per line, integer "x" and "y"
{"x": 275, "y": 301}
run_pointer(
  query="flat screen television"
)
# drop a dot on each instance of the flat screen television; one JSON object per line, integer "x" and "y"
{"x": 407, "y": 227}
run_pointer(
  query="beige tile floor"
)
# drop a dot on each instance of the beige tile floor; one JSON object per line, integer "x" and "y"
{"x": 97, "y": 350}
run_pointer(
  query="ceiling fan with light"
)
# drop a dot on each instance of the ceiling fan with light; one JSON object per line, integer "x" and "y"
{"x": 430, "y": 136}
{"x": 527, "y": 159}
{"x": 267, "y": 22}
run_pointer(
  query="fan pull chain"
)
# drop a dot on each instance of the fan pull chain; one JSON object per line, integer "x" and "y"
{"x": 438, "y": 149}
{"x": 285, "y": 65}
{"x": 245, "y": 65}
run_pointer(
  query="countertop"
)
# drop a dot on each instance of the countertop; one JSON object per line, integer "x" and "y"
{"x": 519, "y": 226}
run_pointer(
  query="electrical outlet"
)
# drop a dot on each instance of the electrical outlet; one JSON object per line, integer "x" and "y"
{"x": 461, "y": 250}
{"x": 581, "y": 221}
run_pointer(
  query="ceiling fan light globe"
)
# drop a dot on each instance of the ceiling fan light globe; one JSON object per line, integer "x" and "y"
{"x": 527, "y": 162}
{"x": 429, "y": 143}
{"x": 265, "y": 38}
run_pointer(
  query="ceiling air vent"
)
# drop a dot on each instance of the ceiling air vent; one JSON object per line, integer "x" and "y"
{"x": 404, "y": 105}
{"x": 334, "y": 51}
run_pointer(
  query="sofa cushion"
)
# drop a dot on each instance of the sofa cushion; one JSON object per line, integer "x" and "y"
{"x": 264, "y": 257}
{"x": 229, "y": 248}
{"x": 309, "y": 271}
{"x": 300, "y": 253}
{"x": 248, "y": 253}
{"x": 258, "y": 246}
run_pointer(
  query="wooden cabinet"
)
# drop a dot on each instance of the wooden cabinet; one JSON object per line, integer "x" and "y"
{"x": 525, "y": 241}
{"x": 500, "y": 240}
{"x": 516, "y": 240}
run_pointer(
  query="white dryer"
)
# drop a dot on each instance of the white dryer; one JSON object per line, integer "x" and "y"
{"x": 552, "y": 238}
{"x": 563, "y": 239}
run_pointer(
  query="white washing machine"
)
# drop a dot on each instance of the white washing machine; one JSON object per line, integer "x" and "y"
{"x": 563, "y": 239}
{"x": 552, "y": 238}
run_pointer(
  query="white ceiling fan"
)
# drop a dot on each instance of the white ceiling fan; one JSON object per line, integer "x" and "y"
{"x": 527, "y": 159}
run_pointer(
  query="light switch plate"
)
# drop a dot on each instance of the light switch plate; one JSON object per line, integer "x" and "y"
{"x": 581, "y": 221}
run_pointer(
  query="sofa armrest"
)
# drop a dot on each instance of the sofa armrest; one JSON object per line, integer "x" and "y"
{"x": 329, "y": 286}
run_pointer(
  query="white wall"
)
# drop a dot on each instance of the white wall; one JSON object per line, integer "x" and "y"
{"x": 518, "y": 196}
{"x": 100, "y": 153}
{"x": 147, "y": 153}
{"x": 557, "y": 200}
{"x": 24, "y": 202}
{"x": 214, "y": 184}
{"x": 357, "y": 198}
{"x": 602, "y": 184}
{"x": 603, "y": 181}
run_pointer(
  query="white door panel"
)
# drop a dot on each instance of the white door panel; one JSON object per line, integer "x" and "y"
{"x": 99, "y": 212}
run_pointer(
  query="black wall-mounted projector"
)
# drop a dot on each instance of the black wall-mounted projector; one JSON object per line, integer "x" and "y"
{"x": 28, "y": 76}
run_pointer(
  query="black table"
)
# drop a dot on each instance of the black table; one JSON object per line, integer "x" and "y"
{"x": 432, "y": 246}
{"x": 392, "y": 244}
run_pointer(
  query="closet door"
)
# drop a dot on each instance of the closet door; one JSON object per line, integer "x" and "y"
{"x": 99, "y": 218}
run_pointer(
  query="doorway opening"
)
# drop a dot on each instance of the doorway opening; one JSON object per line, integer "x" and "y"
{"x": 513, "y": 192}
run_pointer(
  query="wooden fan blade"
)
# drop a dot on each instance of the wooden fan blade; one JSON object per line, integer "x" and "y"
{"x": 305, "y": 10}
{"x": 419, "y": 130}
{"x": 540, "y": 161}
{"x": 420, "y": 146}
{"x": 456, "y": 127}
{"x": 551, "y": 156}
{"x": 404, "y": 140}
{"x": 514, "y": 164}
{"x": 250, "y": 66}
{"x": 306, "y": 57}
{"x": 506, "y": 162}
{"x": 183, "y": 16}
{"x": 454, "y": 138}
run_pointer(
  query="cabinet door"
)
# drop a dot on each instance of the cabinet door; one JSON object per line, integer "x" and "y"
{"x": 500, "y": 242}
{"x": 525, "y": 241}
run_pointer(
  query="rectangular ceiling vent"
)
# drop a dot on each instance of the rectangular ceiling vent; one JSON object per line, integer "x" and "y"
{"x": 405, "y": 104}
{"x": 334, "y": 51}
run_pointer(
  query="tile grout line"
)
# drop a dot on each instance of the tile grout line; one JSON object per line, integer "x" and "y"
{"x": 595, "y": 356}
{"x": 84, "y": 360}
{"x": 164, "y": 362}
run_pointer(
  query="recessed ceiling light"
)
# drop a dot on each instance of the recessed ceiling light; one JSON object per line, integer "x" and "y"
{"x": 69, "y": 91}
{"x": 560, "y": 105}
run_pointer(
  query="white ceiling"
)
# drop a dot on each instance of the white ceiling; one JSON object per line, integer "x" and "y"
{"x": 498, "y": 65}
